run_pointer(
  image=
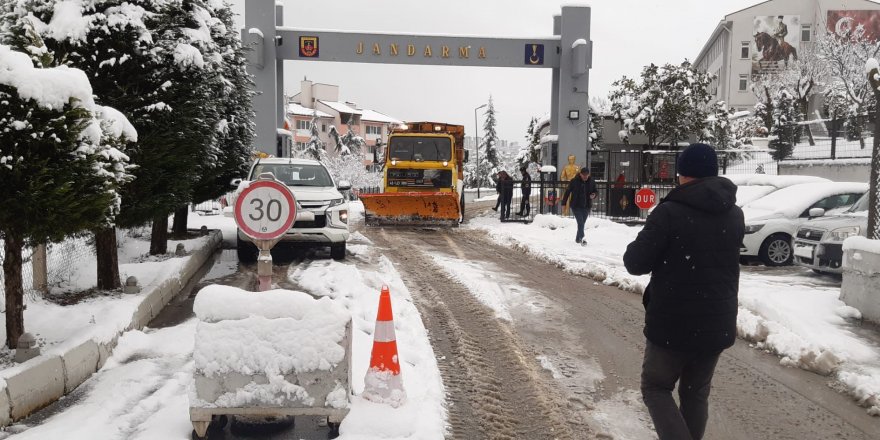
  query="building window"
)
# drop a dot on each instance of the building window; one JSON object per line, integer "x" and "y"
{"x": 374, "y": 129}
{"x": 324, "y": 128}
{"x": 806, "y": 33}
{"x": 302, "y": 124}
{"x": 744, "y": 50}
{"x": 743, "y": 83}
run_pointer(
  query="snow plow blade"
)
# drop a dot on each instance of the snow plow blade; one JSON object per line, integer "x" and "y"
{"x": 412, "y": 209}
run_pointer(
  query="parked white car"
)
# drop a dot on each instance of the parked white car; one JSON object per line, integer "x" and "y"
{"x": 819, "y": 242}
{"x": 322, "y": 211}
{"x": 772, "y": 220}
{"x": 751, "y": 187}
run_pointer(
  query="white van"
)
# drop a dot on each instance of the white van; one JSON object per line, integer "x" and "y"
{"x": 322, "y": 211}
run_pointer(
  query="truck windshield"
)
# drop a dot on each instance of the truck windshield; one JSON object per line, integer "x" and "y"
{"x": 295, "y": 174}
{"x": 420, "y": 149}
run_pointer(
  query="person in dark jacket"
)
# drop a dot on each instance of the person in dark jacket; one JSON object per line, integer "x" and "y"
{"x": 506, "y": 195}
{"x": 582, "y": 191}
{"x": 690, "y": 246}
{"x": 497, "y": 190}
{"x": 525, "y": 206}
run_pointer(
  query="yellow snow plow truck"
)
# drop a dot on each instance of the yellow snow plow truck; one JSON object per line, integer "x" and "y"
{"x": 422, "y": 180}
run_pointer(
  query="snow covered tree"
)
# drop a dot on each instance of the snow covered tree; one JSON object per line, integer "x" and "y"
{"x": 60, "y": 170}
{"x": 786, "y": 130}
{"x": 802, "y": 78}
{"x": 228, "y": 150}
{"x": 336, "y": 139}
{"x": 846, "y": 54}
{"x": 667, "y": 105}
{"x": 351, "y": 168}
{"x": 596, "y": 134}
{"x": 354, "y": 143}
{"x": 532, "y": 150}
{"x": 489, "y": 160}
{"x": 314, "y": 149}
{"x": 145, "y": 57}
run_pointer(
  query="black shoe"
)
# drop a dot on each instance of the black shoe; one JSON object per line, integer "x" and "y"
{"x": 495, "y": 208}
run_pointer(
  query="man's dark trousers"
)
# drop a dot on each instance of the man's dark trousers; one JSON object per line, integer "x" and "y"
{"x": 580, "y": 215}
{"x": 661, "y": 369}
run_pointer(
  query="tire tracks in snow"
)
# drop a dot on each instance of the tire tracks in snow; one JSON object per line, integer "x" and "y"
{"x": 495, "y": 390}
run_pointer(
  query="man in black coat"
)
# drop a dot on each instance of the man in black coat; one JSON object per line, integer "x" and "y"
{"x": 582, "y": 190}
{"x": 690, "y": 246}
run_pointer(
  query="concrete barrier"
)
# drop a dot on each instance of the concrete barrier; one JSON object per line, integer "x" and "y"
{"x": 37, "y": 383}
{"x": 5, "y": 409}
{"x": 79, "y": 364}
{"x": 40, "y": 381}
{"x": 861, "y": 281}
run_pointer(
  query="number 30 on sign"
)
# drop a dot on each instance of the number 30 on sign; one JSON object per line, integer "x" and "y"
{"x": 265, "y": 210}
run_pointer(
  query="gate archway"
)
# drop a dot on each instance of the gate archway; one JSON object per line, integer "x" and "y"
{"x": 568, "y": 53}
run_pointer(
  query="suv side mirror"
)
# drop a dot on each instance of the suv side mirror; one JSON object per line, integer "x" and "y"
{"x": 235, "y": 183}
{"x": 343, "y": 185}
{"x": 817, "y": 212}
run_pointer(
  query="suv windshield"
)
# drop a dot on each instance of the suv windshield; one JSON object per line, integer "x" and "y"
{"x": 420, "y": 149}
{"x": 861, "y": 205}
{"x": 295, "y": 174}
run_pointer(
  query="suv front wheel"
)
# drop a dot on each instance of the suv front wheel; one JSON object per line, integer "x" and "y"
{"x": 337, "y": 251}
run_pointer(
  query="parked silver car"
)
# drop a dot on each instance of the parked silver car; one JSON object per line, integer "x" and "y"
{"x": 818, "y": 243}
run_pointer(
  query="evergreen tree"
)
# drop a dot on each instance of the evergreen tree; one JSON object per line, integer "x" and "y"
{"x": 785, "y": 128}
{"x": 60, "y": 169}
{"x": 354, "y": 144}
{"x": 229, "y": 151}
{"x": 489, "y": 160}
{"x": 532, "y": 151}
{"x": 315, "y": 147}
{"x": 336, "y": 139}
{"x": 596, "y": 134}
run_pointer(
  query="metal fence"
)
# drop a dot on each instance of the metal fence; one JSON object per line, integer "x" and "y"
{"x": 64, "y": 261}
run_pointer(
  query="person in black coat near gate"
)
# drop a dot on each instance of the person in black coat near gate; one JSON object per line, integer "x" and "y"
{"x": 497, "y": 190}
{"x": 506, "y": 185}
{"x": 525, "y": 206}
{"x": 582, "y": 191}
{"x": 690, "y": 246}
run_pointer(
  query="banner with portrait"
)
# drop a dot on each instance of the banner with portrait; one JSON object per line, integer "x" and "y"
{"x": 843, "y": 22}
{"x": 775, "y": 42}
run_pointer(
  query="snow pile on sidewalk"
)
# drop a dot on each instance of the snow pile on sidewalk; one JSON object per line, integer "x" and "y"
{"x": 803, "y": 323}
{"x": 268, "y": 341}
{"x": 423, "y": 416}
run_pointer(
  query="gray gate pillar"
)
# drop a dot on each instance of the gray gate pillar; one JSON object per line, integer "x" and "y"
{"x": 574, "y": 82}
{"x": 259, "y": 19}
{"x": 554, "y": 107}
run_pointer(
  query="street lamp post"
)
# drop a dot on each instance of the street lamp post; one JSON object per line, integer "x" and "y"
{"x": 477, "y": 149}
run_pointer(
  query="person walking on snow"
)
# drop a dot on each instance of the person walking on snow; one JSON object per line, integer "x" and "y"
{"x": 506, "y": 196}
{"x": 526, "y": 188}
{"x": 582, "y": 191}
{"x": 690, "y": 246}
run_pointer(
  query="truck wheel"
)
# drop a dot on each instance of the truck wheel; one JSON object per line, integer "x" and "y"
{"x": 461, "y": 220}
{"x": 337, "y": 251}
{"x": 776, "y": 250}
{"x": 247, "y": 251}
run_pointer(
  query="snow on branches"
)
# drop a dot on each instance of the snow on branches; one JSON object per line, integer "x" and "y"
{"x": 668, "y": 104}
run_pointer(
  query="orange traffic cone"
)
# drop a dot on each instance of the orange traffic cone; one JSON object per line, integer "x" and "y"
{"x": 383, "y": 383}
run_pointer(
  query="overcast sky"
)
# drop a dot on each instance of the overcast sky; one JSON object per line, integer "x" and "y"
{"x": 627, "y": 35}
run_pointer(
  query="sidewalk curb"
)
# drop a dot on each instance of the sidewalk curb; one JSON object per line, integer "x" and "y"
{"x": 41, "y": 381}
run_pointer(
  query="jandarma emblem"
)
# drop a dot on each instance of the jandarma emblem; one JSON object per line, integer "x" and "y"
{"x": 308, "y": 47}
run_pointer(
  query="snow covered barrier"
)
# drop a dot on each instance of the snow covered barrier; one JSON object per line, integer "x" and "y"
{"x": 861, "y": 276}
{"x": 271, "y": 353}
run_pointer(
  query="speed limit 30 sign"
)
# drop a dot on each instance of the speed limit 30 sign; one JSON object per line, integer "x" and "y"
{"x": 265, "y": 210}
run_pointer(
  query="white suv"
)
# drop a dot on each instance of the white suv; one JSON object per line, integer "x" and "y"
{"x": 322, "y": 211}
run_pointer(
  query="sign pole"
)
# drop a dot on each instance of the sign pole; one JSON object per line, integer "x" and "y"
{"x": 264, "y": 212}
